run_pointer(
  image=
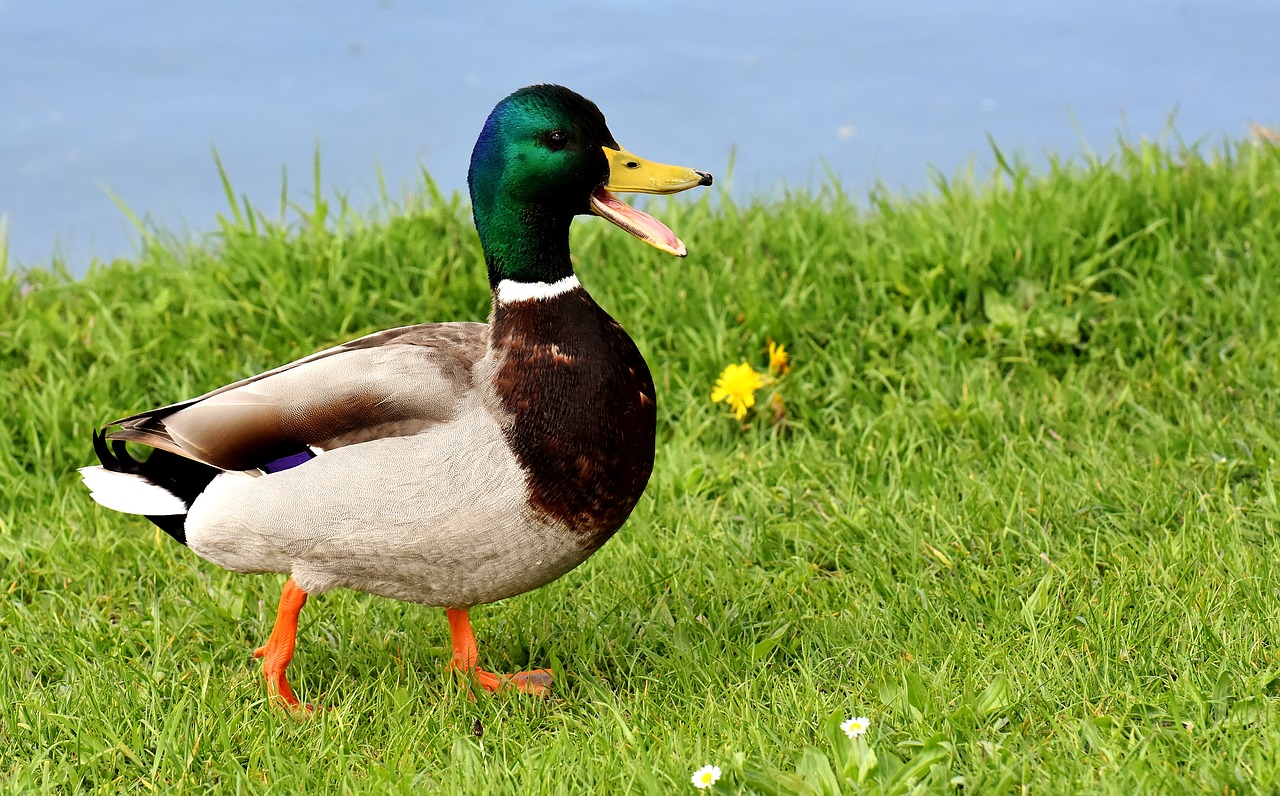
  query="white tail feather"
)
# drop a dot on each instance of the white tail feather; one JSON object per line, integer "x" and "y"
{"x": 131, "y": 494}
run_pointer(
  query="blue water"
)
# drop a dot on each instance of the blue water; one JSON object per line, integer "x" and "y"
{"x": 128, "y": 98}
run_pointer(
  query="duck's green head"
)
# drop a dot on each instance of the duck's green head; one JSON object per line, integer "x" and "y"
{"x": 545, "y": 155}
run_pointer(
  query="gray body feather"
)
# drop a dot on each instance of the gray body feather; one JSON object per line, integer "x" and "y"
{"x": 416, "y": 495}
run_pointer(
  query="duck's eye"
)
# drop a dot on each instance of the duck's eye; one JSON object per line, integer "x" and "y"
{"x": 557, "y": 139}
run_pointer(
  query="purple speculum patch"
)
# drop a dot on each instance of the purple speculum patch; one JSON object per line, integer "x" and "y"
{"x": 285, "y": 462}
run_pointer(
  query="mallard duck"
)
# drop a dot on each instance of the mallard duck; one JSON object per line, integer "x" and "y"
{"x": 448, "y": 464}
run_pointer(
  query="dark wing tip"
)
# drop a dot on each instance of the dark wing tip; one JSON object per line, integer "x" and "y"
{"x": 103, "y": 450}
{"x": 114, "y": 454}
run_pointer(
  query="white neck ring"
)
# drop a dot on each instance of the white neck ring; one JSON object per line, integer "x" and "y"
{"x": 510, "y": 290}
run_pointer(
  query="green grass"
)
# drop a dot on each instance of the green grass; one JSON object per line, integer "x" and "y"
{"x": 1021, "y": 513}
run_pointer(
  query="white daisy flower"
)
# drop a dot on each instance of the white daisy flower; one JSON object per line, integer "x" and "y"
{"x": 855, "y": 727}
{"x": 705, "y": 777}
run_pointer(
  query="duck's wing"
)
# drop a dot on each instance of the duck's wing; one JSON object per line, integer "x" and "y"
{"x": 390, "y": 383}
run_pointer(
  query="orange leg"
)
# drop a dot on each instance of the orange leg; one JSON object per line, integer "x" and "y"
{"x": 536, "y": 682}
{"x": 278, "y": 650}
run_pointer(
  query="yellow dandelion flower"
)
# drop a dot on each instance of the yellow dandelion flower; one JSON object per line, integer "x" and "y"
{"x": 737, "y": 387}
{"x": 778, "y": 359}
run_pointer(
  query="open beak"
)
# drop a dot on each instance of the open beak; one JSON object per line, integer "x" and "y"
{"x": 631, "y": 174}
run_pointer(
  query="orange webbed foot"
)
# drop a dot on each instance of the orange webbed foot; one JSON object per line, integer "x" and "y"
{"x": 274, "y": 672}
{"x": 536, "y": 682}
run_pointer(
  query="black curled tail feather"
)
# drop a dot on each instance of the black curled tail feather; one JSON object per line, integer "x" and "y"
{"x": 184, "y": 478}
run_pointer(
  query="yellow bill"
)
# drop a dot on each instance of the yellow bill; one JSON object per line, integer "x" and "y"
{"x": 629, "y": 173}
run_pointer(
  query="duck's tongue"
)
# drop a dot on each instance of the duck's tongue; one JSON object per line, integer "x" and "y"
{"x": 642, "y": 225}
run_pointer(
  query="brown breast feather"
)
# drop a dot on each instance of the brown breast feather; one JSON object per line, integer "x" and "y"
{"x": 581, "y": 410}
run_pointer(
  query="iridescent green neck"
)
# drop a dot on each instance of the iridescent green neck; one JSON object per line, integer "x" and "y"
{"x": 522, "y": 242}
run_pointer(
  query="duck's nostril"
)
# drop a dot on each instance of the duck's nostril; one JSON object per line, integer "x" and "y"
{"x": 631, "y": 164}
